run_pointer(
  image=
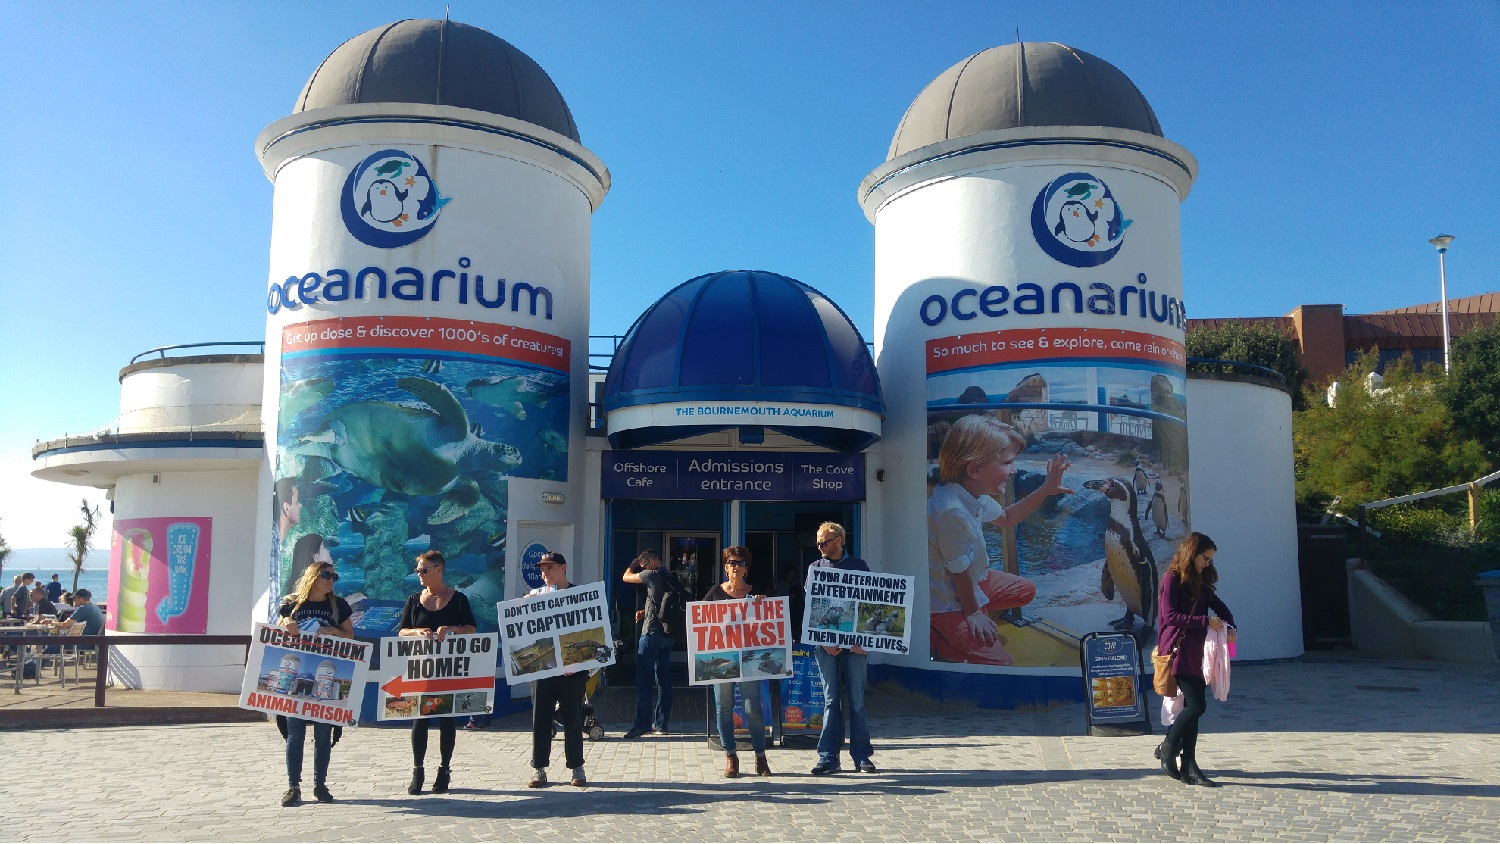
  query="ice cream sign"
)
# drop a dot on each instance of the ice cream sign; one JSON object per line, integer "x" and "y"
{"x": 158, "y": 575}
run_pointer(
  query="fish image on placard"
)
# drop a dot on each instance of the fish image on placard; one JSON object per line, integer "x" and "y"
{"x": 182, "y": 554}
{"x": 135, "y": 567}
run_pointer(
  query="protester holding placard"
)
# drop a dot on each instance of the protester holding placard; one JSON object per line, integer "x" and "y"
{"x": 843, "y": 672}
{"x": 312, "y": 608}
{"x": 737, "y": 588}
{"x": 434, "y": 613}
{"x": 561, "y": 695}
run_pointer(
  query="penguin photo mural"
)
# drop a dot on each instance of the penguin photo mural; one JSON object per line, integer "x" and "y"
{"x": 1158, "y": 510}
{"x": 384, "y": 202}
{"x": 1142, "y": 480}
{"x": 1129, "y": 566}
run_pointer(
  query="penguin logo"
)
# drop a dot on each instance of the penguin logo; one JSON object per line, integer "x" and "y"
{"x": 389, "y": 200}
{"x": 1076, "y": 220}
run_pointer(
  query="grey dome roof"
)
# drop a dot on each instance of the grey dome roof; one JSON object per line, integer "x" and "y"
{"x": 1023, "y": 84}
{"x": 438, "y": 62}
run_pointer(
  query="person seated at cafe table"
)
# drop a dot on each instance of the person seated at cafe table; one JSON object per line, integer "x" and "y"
{"x": 42, "y": 610}
{"x": 87, "y": 612}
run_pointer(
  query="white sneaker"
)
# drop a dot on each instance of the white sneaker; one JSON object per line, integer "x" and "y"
{"x": 578, "y": 778}
{"x": 538, "y": 778}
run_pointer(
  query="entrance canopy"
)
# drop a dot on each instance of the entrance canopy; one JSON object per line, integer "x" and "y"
{"x": 743, "y": 348}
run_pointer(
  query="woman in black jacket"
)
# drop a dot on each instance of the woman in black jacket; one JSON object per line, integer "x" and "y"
{"x": 435, "y": 612}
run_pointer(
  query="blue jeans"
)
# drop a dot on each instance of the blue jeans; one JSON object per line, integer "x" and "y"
{"x": 724, "y": 702}
{"x": 852, "y": 667}
{"x": 653, "y": 658}
{"x": 296, "y": 735}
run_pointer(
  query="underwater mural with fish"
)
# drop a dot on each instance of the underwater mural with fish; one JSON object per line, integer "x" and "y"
{"x": 1107, "y": 408}
{"x": 400, "y": 435}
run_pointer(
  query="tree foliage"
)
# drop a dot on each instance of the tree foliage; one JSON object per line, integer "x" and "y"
{"x": 81, "y": 539}
{"x": 1396, "y": 440}
{"x": 1473, "y": 389}
{"x": 1259, "y": 343}
{"x": 4, "y": 553}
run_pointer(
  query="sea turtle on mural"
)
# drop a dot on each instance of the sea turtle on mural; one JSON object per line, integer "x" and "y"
{"x": 552, "y": 439}
{"x": 298, "y": 396}
{"x": 514, "y": 393}
{"x": 409, "y": 449}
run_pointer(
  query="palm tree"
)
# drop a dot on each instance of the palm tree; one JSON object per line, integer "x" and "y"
{"x": 81, "y": 539}
{"x": 4, "y": 553}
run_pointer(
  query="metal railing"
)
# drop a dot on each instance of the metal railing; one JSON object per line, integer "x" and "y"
{"x": 103, "y": 644}
{"x": 1239, "y": 364}
{"x": 161, "y": 351}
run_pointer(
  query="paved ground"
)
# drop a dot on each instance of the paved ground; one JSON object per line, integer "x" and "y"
{"x": 1326, "y": 749}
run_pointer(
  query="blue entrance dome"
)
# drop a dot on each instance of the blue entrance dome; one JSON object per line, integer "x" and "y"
{"x": 745, "y": 336}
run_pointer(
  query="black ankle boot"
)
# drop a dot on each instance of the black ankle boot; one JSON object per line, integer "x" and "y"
{"x": 1167, "y": 753}
{"x": 417, "y": 775}
{"x": 1193, "y": 775}
{"x": 440, "y": 785}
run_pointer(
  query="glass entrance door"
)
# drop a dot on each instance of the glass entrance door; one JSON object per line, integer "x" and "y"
{"x": 694, "y": 558}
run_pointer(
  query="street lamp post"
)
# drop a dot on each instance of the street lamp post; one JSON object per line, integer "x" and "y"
{"x": 1441, "y": 242}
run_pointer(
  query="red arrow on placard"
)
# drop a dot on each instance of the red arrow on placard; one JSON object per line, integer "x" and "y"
{"x": 400, "y": 686}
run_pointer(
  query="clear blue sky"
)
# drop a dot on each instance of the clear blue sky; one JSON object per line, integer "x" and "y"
{"x": 1333, "y": 139}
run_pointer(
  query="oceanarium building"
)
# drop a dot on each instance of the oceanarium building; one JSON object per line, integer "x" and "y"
{"x": 425, "y": 380}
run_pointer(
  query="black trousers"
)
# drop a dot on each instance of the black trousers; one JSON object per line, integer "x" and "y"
{"x": 562, "y": 696}
{"x": 447, "y": 735}
{"x": 1184, "y": 732}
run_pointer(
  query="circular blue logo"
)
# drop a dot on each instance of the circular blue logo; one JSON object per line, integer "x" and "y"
{"x": 1076, "y": 220}
{"x": 389, "y": 200}
{"x": 531, "y": 565}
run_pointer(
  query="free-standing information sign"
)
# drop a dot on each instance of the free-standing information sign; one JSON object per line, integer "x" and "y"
{"x": 848, "y": 608}
{"x": 555, "y": 633}
{"x": 1114, "y": 701}
{"x": 802, "y": 695}
{"x": 431, "y": 678}
{"x": 315, "y": 678}
{"x": 730, "y": 641}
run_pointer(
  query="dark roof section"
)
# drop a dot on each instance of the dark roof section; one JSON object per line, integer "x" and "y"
{"x": 1409, "y": 330}
{"x": 438, "y": 62}
{"x": 1484, "y": 303}
{"x": 744, "y": 335}
{"x": 1023, "y": 84}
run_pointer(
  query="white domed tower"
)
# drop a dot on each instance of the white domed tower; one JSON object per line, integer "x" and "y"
{"x": 427, "y": 312}
{"x": 1028, "y": 297}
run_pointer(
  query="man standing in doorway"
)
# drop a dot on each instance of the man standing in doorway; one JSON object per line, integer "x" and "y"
{"x": 843, "y": 672}
{"x": 653, "y": 653}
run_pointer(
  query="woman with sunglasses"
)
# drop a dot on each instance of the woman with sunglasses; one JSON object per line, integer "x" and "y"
{"x": 435, "y": 612}
{"x": 736, "y": 587}
{"x": 1185, "y": 598}
{"x": 313, "y": 608}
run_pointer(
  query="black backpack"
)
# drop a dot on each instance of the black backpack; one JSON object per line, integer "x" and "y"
{"x": 673, "y": 609}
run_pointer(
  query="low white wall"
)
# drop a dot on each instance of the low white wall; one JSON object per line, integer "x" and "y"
{"x": 229, "y": 498}
{"x": 1384, "y": 623}
{"x": 183, "y": 394}
{"x": 1243, "y": 495}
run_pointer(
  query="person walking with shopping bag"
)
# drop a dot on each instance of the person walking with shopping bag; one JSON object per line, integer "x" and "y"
{"x": 1184, "y": 600}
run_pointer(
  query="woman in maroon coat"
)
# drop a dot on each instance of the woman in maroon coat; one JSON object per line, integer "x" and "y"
{"x": 1184, "y": 599}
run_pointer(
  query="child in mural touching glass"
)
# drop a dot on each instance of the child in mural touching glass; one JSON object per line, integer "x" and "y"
{"x": 976, "y": 459}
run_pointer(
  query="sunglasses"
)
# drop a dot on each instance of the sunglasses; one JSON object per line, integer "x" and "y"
{"x": 329, "y": 574}
{"x": 740, "y": 563}
{"x": 426, "y": 570}
{"x": 830, "y": 541}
